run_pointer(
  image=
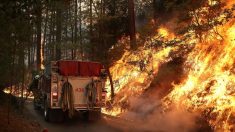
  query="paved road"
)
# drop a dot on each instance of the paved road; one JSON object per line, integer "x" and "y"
{"x": 75, "y": 125}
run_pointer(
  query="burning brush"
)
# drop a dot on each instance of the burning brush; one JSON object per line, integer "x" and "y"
{"x": 209, "y": 86}
{"x": 134, "y": 72}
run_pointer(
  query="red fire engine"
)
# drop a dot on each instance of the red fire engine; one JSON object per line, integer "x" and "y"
{"x": 70, "y": 86}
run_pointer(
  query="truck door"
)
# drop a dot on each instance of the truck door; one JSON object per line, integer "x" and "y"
{"x": 79, "y": 84}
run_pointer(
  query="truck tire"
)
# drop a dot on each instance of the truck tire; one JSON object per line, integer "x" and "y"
{"x": 60, "y": 115}
{"x": 85, "y": 115}
{"x": 56, "y": 115}
{"x": 93, "y": 115}
{"x": 53, "y": 115}
{"x": 47, "y": 112}
{"x": 97, "y": 114}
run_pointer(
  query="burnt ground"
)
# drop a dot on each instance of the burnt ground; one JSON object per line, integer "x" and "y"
{"x": 17, "y": 121}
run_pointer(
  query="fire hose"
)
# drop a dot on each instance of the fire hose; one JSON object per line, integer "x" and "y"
{"x": 91, "y": 94}
{"x": 67, "y": 98}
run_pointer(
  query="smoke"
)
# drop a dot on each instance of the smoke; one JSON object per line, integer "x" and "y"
{"x": 148, "y": 116}
{"x": 147, "y": 112}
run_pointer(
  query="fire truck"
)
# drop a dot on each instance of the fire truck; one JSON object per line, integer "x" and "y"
{"x": 70, "y": 87}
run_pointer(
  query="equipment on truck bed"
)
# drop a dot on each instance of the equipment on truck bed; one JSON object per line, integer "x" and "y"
{"x": 70, "y": 86}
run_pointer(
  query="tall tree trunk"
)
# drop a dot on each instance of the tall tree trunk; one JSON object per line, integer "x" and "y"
{"x": 21, "y": 80}
{"x": 44, "y": 36}
{"x": 39, "y": 31}
{"x": 34, "y": 44}
{"x": 75, "y": 28}
{"x": 58, "y": 29}
{"x": 154, "y": 2}
{"x": 91, "y": 32}
{"x": 113, "y": 9}
{"x": 53, "y": 20}
{"x": 80, "y": 28}
{"x": 111, "y": 83}
{"x": 50, "y": 50}
{"x": 158, "y": 8}
{"x": 72, "y": 32}
{"x": 131, "y": 12}
{"x": 29, "y": 40}
{"x": 102, "y": 32}
{"x": 29, "y": 54}
{"x": 66, "y": 32}
{"x": 12, "y": 72}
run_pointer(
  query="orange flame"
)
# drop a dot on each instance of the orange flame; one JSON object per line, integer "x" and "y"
{"x": 209, "y": 87}
{"x": 165, "y": 33}
{"x": 133, "y": 73}
{"x": 42, "y": 55}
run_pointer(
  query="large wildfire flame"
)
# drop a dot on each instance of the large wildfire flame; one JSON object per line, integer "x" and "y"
{"x": 208, "y": 89}
{"x": 133, "y": 73}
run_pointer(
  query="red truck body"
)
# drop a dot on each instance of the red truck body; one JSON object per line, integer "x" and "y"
{"x": 85, "y": 82}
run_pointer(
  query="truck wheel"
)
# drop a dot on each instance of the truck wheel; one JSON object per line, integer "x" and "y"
{"x": 96, "y": 114}
{"x": 60, "y": 115}
{"x": 56, "y": 115}
{"x": 49, "y": 114}
{"x": 53, "y": 115}
{"x": 93, "y": 115}
{"x": 46, "y": 113}
{"x": 99, "y": 115}
{"x": 85, "y": 115}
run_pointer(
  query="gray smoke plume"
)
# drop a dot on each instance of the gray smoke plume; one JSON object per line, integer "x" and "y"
{"x": 147, "y": 114}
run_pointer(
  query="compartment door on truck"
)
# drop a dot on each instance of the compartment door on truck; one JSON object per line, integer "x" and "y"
{"x": 79, "y": 84}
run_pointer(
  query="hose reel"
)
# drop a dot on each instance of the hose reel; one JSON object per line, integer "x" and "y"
{"x": 91, "y": 93}
{"x": 67, "y": 98}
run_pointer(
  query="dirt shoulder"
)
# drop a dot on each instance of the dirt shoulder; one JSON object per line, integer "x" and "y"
{"x": 17, "y": 122}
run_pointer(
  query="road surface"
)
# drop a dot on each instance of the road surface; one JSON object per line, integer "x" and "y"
{"x": 106, "y": 124}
